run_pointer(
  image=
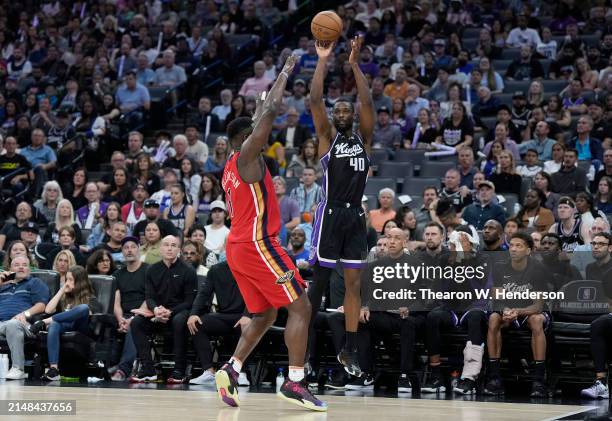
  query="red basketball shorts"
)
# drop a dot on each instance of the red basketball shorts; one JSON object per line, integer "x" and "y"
{"x": 265, "y": 274}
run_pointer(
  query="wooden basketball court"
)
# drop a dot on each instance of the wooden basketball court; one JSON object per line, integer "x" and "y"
{"x": 145, "y": 403}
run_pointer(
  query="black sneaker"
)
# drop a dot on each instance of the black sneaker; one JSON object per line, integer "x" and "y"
{"x": 538, "y": 390}
{"x": 177, "y": 377}
{"x": 365, "y": 382}
{"x": 494, "y": 387}
{"x": 51, "y": 375}
{"x": 465, "y": 387}
{"x": 433, "y": 385}
{"x": 404, "y": 385}
{"x": 38, "y": 326}
{"x": 297, "y": 393}
{"x": 337, "y": 381}
{"x": 144, "y": 374}
{"x": 350, "y": 361}
{"x": 312, "y": 379}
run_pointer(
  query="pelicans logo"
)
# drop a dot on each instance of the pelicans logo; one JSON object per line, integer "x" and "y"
{"x": 288, "y": 276}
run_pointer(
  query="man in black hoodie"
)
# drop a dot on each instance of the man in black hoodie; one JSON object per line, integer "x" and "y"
{"x": 169, "y": 291}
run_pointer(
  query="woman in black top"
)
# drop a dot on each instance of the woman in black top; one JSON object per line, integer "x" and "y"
{"x": 457, "y": 131}
{"x": 506, "y": 179}
{"x": 76, "y": 190}
{"x": 144, "y": 173}
{"x": 100, "y": 263}
{"x": 238, "y": 110}
{"x": 120, "y": 187}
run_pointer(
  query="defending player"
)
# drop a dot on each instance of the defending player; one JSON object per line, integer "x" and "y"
{"x": 265, "y": 274}
{"x": 340, "y": 228}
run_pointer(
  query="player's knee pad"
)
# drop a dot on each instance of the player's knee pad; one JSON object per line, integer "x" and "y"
{"x": 472, "y": 360}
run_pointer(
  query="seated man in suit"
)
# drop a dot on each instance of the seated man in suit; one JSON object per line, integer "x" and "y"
{"x": 230, "y": 316}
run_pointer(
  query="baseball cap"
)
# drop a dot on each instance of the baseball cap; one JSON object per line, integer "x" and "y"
{"x": 128, "y": 239}
{"x": 30, "y": 227}
{"x": 384, "y": 109}
{"x": 518, "y": 94}
{"x": 218, "y": 204}
{"x": 151, "y": 203}
{"x": 302, "y": 81}
{"x": 439, "y": 42}
{"x": 486, "y": 183}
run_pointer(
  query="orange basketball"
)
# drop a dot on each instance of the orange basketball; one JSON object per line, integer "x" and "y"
{"x": 326, "y": 26}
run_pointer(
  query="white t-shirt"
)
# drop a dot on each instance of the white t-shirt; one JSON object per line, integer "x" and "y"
{"x": 215, "y": 238}
{"x": 518, "y": 37}
{"x": 548, "y": 50}
{"x": 199, "y": 151}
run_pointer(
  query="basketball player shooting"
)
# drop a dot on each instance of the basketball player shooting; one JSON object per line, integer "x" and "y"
{"x": 339, "y": 234}
{"x": 266, "y": 276}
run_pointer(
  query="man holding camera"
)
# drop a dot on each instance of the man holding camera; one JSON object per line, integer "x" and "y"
{"x": 21, "y": 297}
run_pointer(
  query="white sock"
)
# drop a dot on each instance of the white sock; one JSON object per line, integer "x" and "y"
{"x": 236, "y": 364}
{"x": 296, "y": 374}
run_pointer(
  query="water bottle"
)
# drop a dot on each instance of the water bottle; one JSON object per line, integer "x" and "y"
{"x": 454, "y": 378}
{"x": 280, "y": 379}
{"x": 4, "y": 365}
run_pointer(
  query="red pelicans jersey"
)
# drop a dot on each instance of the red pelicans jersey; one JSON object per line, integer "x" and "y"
{"x": 253, "y": 208}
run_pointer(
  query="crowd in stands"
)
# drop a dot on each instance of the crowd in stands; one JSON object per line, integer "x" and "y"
{"x": 514, "y": 98}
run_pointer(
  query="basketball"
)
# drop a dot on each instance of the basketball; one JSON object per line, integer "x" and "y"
{"x": 326, "y": 26}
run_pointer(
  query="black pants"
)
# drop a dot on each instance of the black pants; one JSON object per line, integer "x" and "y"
{"x": 476, "y": 323}
{"x": 143, "y": 328}
{"x": 213, "y": 324}
{"x": 443, "y": 320}
{"x": 319, "y": 323}
{"x": 316, "y": 291}
{"x": 336, "y": 324}
{"x": 383, "y": 324}
{"x": 600, "y": 341}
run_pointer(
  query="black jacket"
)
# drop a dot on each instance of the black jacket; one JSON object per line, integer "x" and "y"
{"x": 172, "y": 287}
{"x": 221, "y": 282}
{"x": 569, "y": 181}
{"x": 301, "y": 134}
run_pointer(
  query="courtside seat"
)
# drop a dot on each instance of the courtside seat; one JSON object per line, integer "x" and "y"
{"x": 78, "y": 349}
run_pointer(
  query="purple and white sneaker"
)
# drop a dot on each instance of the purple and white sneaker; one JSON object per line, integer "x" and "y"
{"x": 227, "y": 385}
{"x": 298, "y": 394}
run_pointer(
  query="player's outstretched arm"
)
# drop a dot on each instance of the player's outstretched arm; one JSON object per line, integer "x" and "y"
{"x": 265, "y": 114}
{"x": 366, "y": 109}
{"x": 319, "y": 114}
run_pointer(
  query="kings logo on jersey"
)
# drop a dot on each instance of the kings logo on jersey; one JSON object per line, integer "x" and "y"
{"x": 343, "y": 150}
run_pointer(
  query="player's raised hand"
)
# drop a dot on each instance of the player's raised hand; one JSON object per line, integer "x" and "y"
{"x": 290, "y": 64}
{"x": 259, "y": 106}
{"x": 355, "y": 49}
{"x": 324, "y": 48}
